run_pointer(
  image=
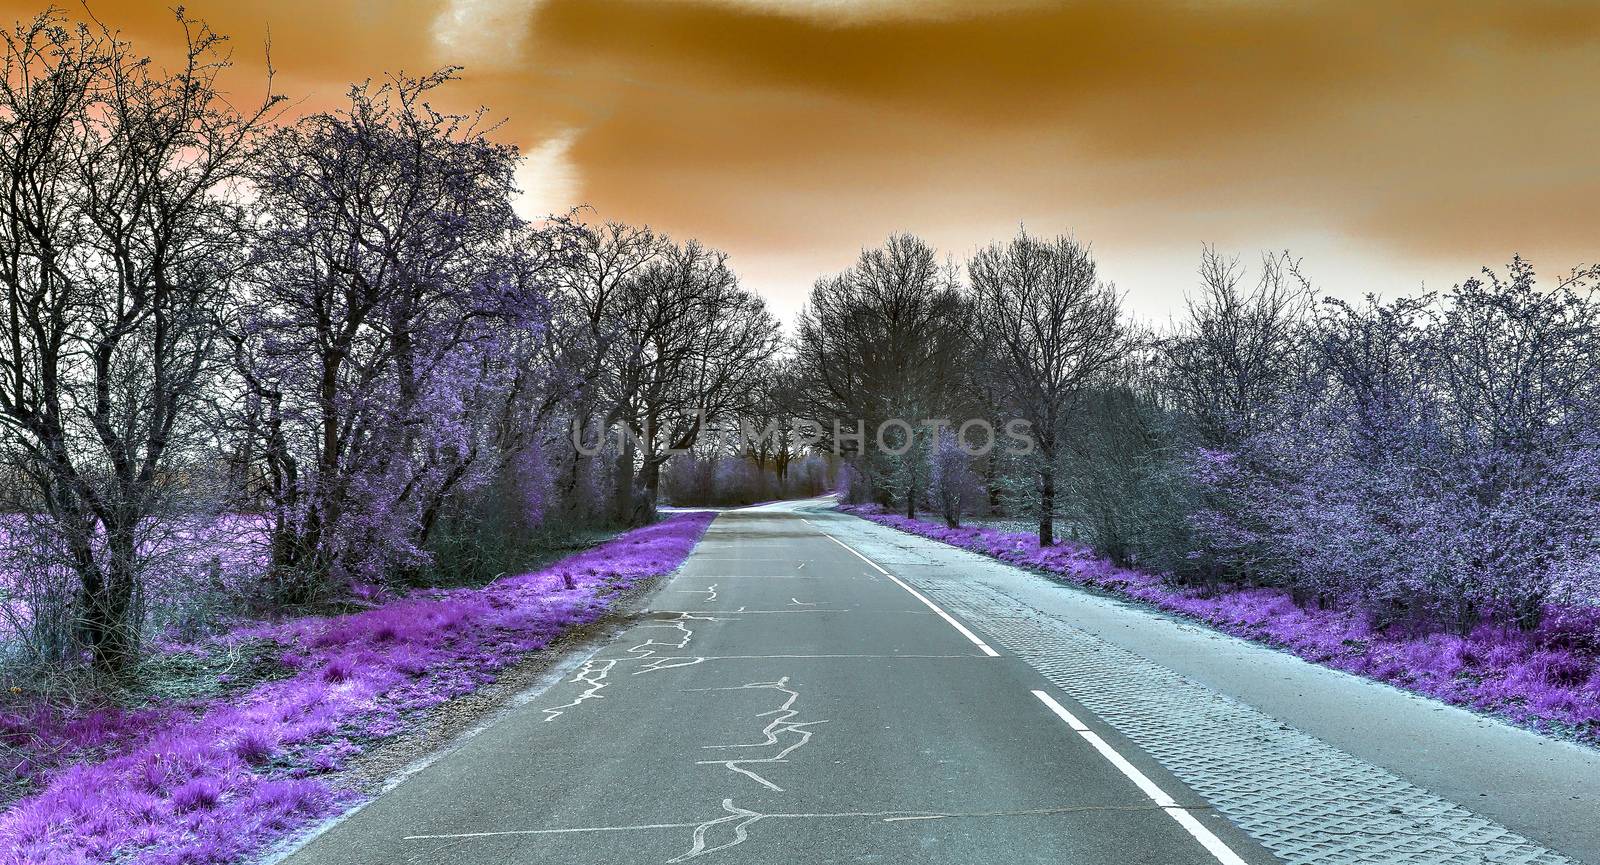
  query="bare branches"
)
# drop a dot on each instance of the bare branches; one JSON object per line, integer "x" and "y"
{"x": 119, "y": 240}
{"x": 889, "y": 337}
{"x": 395, "y": 298}
{"x": 1233, "y": 358}
{"x": 1050, "y": 327}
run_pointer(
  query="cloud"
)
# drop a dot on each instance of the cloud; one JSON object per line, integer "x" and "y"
{"x": 547, "y": 179}
{"x": 1429, "y": 130}
{"x": 1438, "y": 134}
{"x": 488, "y": 34}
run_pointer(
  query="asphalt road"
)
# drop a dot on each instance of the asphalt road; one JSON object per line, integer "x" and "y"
{"x": 813, "y": 689}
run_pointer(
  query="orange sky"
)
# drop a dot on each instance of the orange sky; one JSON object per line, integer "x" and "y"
{"x": 1389, "y": 143}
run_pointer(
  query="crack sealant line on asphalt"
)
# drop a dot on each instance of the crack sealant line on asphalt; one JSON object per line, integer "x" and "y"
{"x": 782, "y": 723}
{"x": 730, "y": 808}
{"x": 1193, "y": 826}
{"x": 965, "y": 632}
{"x": 747, "y": 612}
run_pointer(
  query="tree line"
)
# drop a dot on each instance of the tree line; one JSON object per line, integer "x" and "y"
{"x": 249, "y": 361}
{"x": 1433, "y": 461}
{"x": 269, "y": 361}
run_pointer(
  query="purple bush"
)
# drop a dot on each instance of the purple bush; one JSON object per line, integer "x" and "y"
{"x": 952, "y": 486}
{"x": 1546, "y": 679}
{"x": 210, "y": 782}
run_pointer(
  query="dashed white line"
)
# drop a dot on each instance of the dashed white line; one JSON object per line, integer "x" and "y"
{"x": 753, "y": 612}
{"x": 1214, "y": 845}
{"x": 740, "y": 577}
{"x": 965, "y": 632}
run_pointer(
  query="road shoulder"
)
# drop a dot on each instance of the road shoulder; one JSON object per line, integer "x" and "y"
{"x": 1541, "y": 788}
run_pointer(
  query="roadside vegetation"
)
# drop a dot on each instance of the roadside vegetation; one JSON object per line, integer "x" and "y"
{"x": 1543, "y": 679}
{"x": 304, "y": 428}
{"x": 1404, "y": 488}
{"x": 286, "y": 416}
{"x": 216, "y": 775}
{"x": 1430, "y": 460}
{"x": 255, "y": 364}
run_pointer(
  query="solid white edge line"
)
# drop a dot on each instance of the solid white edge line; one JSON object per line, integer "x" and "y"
{"x": 984, "y": 647}
{"x": 1214, "y": 845}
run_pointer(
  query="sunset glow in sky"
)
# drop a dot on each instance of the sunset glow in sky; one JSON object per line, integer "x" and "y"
{"x": 1388, "y": 143}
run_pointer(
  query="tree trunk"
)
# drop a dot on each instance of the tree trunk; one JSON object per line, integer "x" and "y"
{"x": 645, "y": 509}
{"x": 624, "y": 509}
{"x": 991, "y": 480}
{"x": 108, "y": 629}
{"x": 911, "y": 496}
{"x": 1047, "y": 503}
{"x": 652, "y": 479}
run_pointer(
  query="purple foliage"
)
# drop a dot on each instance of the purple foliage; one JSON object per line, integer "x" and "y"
{"x": 46, "y": 738}
{"x": 533, "y": 483}
{"x": 951, "y": 483}
{"x": 1437, "y": 464}
{"x": 198, "y": 565}
{"x": 214, "y": 784}
{"x": 850, "y": 484}
{"x": 1546, "y": 679}
{"x": 452, "y": 308}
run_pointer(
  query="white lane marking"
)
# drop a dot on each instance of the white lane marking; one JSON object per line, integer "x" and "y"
{"x": 743, "y": 576}
{"x": 740, "y": 577}
{"x": 1194, "y": 827}
{"x": 752, "y": 612}
{"x": 919, "y": 596}
{"x": 573, "y": 831}
{"x": 745, "y": 612}
{"x": 710, "y": 592}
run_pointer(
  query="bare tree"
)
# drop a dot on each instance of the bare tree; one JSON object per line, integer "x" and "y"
{"x": 1232, "y": 360}
{"x": 1050, "y": 326}
{"x": 118, "y": 243}
{"x": 586, "y": 325}
{"x": 887, "y": 338}
{"x": 771, "y": 415}
{"x": 691, "y": 347}
{"x": 392, "y": 283}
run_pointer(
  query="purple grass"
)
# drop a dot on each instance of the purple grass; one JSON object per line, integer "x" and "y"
{"x": 1547, "y": 679}
{"x": 212, "y": 782}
